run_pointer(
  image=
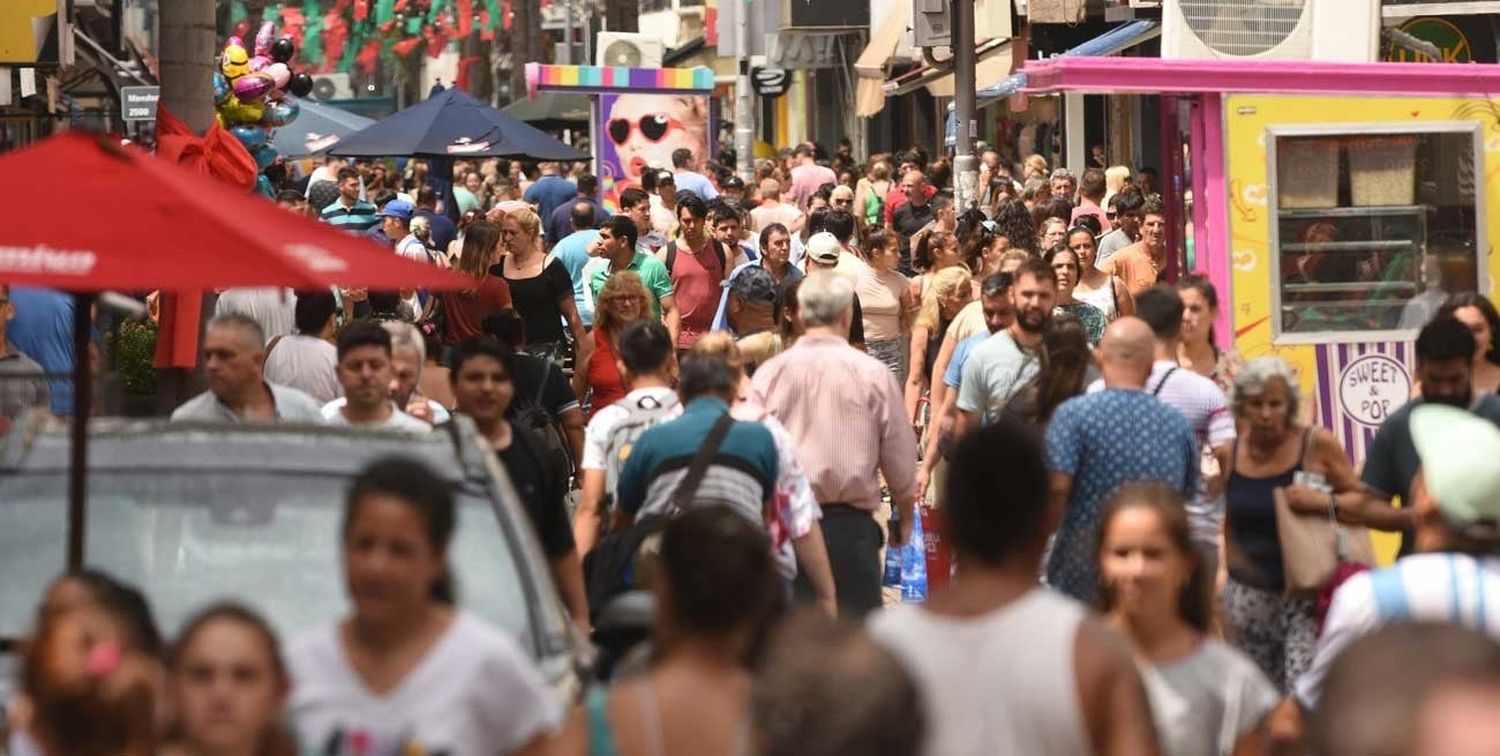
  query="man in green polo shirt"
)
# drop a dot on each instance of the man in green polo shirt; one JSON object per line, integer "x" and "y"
{"x": 616, "y": 243}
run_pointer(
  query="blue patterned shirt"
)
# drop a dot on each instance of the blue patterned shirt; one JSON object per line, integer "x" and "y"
{"x": 1102, "y": 441}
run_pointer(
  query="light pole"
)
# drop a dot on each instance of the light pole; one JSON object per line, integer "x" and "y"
{"x": 965, "y": 165}
{"x": 744, "y": 109}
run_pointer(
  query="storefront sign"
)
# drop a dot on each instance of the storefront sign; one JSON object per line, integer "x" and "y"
{"x": 1443, "y": 34}
{"x": 770, "y": 82}
{"x": 139, "y": 103}
{"x": 1372, "y": 387}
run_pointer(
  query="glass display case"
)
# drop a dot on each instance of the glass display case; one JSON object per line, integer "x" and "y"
{"x": 1372, "y": 227}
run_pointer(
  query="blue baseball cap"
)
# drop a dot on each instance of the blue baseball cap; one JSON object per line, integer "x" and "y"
{"x": 398, "y": 208}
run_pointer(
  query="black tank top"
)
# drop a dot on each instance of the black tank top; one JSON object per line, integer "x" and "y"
{"x": 1250, "y": 523}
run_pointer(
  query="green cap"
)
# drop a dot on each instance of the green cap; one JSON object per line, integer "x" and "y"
{"x": 1459, "y": 452}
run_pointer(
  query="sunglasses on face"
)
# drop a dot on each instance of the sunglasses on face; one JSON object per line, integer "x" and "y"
{"x": 652, "y": 126}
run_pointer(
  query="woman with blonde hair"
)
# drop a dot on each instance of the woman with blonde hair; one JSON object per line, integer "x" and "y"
{"x": 541, "y": 289}
{"x": 465, "y": 310}
{"x": 1116, "y": 177}
{"x": 1035, "y": 166}
{"x": 622, "y": 301}
{"x": 948, "y": 291}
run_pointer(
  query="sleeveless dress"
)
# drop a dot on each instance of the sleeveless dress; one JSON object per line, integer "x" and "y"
{"x": 1102, "y": 299}
{"x": 1277, "y": 632}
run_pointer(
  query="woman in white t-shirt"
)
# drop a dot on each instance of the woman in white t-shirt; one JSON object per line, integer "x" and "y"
{"x": 1206, "y": 697}
{"x": 406, "y": 672}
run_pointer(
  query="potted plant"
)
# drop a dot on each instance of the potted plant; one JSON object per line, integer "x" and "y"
{"x": 132, "y": 352}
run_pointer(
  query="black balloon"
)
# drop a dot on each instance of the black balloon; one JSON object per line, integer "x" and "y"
{"x": 301, "y": 85}
{"x": 282, "y": 50}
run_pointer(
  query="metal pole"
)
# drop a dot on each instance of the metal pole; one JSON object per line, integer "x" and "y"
{"x": 744, "y": 111}
{"x": 965, "y": 165}
{"x": 83, "y": 403}
{"x": 568, "y": 33}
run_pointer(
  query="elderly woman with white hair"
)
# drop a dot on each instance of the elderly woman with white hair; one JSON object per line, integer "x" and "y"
{"x": 1275, "y": 449}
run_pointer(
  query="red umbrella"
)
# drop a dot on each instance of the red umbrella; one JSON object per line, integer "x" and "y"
{"x": 90, "y": 215}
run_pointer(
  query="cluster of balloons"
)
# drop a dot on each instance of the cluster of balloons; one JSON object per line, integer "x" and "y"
{"x": 253, "y": 93}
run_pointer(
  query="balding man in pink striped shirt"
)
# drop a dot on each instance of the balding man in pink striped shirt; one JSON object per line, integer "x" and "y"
{"x": 845, "y": 412}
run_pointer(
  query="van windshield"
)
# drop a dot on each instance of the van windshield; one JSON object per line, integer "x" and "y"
{"x": 188, "y": 538}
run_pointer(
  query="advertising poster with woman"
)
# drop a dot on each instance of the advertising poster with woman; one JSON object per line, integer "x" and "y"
{"x": 640, "y": 132}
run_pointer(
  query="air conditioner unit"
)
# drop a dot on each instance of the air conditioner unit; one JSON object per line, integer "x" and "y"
{"x": 629, "y": 50}
{"x": 332, "y": 86}
{"x": 1324, "y": 30}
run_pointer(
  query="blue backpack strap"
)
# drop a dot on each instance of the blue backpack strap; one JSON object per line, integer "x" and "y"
{"x": 601, "y": 735}
{"x": 1390, "y": 594}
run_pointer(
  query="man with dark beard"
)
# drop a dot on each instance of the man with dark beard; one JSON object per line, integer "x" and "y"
{"x": 1445, "y": 354}
{"x": 1000, "y": 367}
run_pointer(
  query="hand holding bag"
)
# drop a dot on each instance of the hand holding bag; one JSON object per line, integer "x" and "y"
{"x": 1314, "y": 545}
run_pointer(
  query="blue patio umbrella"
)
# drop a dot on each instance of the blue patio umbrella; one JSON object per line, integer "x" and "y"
{"x": 451, "y": 124}
{"x": 317, "y": 128}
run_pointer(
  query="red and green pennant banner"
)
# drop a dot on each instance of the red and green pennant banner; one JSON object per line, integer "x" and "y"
{"x": 338, "y": 35}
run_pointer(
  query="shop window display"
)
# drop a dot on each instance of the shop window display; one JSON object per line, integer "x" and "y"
{"x": 1373, "y": 230}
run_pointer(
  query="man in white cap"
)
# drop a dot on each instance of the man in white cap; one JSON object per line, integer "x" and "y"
{"x": 1455, "y": 577}
{"x": 824, "y": 252}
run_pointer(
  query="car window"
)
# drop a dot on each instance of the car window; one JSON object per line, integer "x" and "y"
{"x": 269, "y": 540}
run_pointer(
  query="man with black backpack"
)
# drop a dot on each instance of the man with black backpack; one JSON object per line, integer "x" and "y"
{"x": 544, "y": 403}
{"x": 649, "y": 365}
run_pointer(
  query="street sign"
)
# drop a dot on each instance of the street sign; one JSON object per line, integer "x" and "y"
{"x": 139, "y": 103}
{"x": 770, "y": 82}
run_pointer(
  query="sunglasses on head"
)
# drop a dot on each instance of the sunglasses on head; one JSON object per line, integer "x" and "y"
{"x": 653, "y": 127}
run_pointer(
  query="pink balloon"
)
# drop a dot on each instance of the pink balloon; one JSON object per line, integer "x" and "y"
{"x": 279, "y": 74}
{"x": 235, "y": 40}
{"x": 259, "y": 63}
{"x": 264, "y": 37}
{"x": 253, "y": 86}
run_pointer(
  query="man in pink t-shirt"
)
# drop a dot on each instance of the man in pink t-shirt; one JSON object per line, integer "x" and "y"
{"x": 773, "y": 210}
{"x": 807, "y": 177}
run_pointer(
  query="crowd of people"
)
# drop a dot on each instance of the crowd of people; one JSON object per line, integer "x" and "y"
{"x": 738, "y": 397}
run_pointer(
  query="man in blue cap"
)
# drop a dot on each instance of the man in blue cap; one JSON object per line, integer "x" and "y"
{"x": 395, "y": 220}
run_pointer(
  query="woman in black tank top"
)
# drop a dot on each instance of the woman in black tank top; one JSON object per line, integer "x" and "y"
{"x": 1278, "y": 632}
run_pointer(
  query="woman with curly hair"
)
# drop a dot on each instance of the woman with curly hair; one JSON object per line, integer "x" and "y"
{"x": 1013, "y": 221}
{"x": 623, "y": 300}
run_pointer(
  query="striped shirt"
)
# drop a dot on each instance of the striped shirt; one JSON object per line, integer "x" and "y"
{"x": 846, "y": 416}
{"x": 358, "y": 218}
{"x": 1456, "y": 589}
{"x": 741, "y": 474}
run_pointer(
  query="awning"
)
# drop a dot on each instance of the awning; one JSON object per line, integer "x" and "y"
{"x": 872, "y": 61}
{"x": 992, "y": 63}
{"x": 552, "y": 110}
{"x": 869, "y": 98}
{"x": 1112, "y": 42}
{"x": 1190, "y": 77}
